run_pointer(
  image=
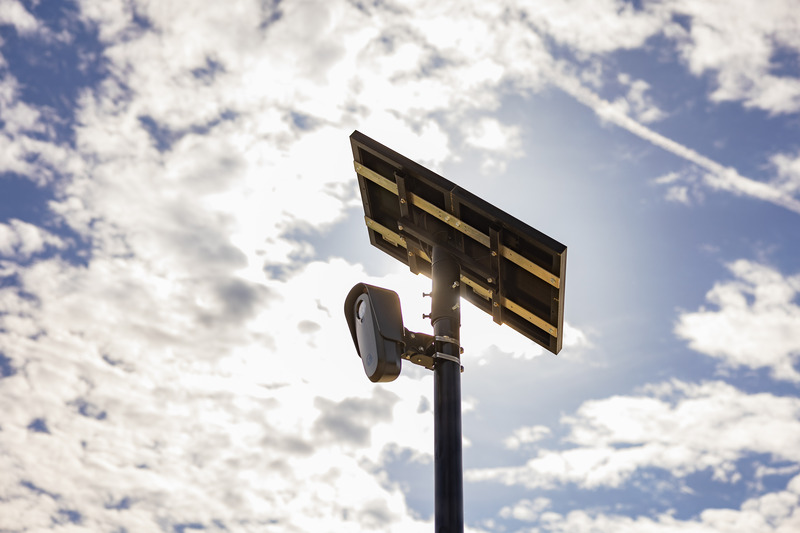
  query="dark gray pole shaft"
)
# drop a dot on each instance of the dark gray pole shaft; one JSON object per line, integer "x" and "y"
{"x": 446, "y": 319}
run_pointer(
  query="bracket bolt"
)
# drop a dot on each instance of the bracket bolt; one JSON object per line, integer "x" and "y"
{"x": 455, "y": 284}
{"x": 400, "y": 227}
{"x": 455, "y": 307}
{"x": 490, "y": 280}
{"x": 402, "y": 200}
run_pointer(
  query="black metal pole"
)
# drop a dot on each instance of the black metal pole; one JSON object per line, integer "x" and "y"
{"x": 446, "y": 320}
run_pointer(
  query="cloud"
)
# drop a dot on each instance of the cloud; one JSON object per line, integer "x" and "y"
{"x": 683, "y": 187}
{"x": 526, "y": 510}
{"x": 675, "y": 426}
{"x": 773, "y": 512}
{"x": 638, "y": 102}
{"x": 22, "y": 240}
{"x": 597, "y": 27}
{"x": 755, "y": 323}
{"x": 718, "y": 176}
{"x": 742, "y": 50}
{"x": 526, "y": 435}
{"x": 788, "y": 168}
{"x": 490, "y": 135}
{"x": 13, "y": 13}
{"x": 195, "y": 371}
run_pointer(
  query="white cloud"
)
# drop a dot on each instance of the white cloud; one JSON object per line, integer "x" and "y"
{"x": 597, "y": 26}
{"x": 718, "y": 176}
{"x": 13, "y": 13}
{"x": 21, "y": 239}
{"x": 776, "y": 512}
{"x": 788, "y": 168}
{"x": 490, "y": 135}
{"x": 171, "y": 380}
{"x": 526, "y": 435}
{"x": 638, "y": 102}
{"x": 683, "y": 187}
{"x": 526, "y": 510}
{"x": 679, "y": 427}
{"x": 755, "y": 325}
{"x": 738, "y": 41}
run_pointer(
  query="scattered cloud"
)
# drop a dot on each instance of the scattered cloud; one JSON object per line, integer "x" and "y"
{"x": 173, "y": 382}
{"x": 637, "y": 102}
{"x": 738, "y": 42}
{"x": 718, "y": 176}
{"x": 683, "y": 187}
{"x": 773, "y": 512}
{"x": 526, "y": 510}
{"x": 526, "y": 435}
{"x": 21, "y": 239}
{"x": 13, "y": 13}
{"x": 674, "y": 426}
{"x": 755, "y": 323}
{"x": 490, "y": 135}
{"x": 788, "y": 168}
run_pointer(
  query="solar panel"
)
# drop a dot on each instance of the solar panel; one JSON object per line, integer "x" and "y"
{"x": 508, "y": 269}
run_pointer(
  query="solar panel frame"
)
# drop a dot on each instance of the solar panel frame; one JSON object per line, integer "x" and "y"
{"x": 508, "y": 269}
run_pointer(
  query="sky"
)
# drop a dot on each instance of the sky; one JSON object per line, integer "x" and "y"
{"x": 180, "y": 223}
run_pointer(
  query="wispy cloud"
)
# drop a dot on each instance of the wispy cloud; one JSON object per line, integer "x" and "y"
{"x": 718, "y": 177}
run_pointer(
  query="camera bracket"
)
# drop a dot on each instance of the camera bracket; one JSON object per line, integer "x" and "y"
{"x": 421, "y": 349}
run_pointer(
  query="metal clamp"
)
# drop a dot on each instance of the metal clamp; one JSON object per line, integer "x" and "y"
{"x": 453, "y": 358}
{"x": 448, "y": 340}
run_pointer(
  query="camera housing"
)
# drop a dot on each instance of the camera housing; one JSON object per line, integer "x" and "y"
{"x": 376, "y": 325}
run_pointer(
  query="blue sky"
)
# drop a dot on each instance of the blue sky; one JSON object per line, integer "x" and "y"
{"x": 180, "y": 223}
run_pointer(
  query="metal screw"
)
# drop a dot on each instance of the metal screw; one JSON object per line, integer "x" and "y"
{"x": 455, "y": 284}
{"x": 410, "y": 254}
{"x": 496, "y": 304}
{"x": 490, "y": 280}
{"x": 455, "y": 307}
{"x": 552, "y": 280}
{"x": 400, "y": 227}
{"x": 402, "y": 200}
{"x": 494, "y": 254}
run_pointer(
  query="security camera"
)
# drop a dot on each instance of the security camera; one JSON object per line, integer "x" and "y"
{"x": 376, "y": 325}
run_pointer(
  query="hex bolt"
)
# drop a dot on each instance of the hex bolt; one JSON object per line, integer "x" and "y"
{"x": 455, "y": 284}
